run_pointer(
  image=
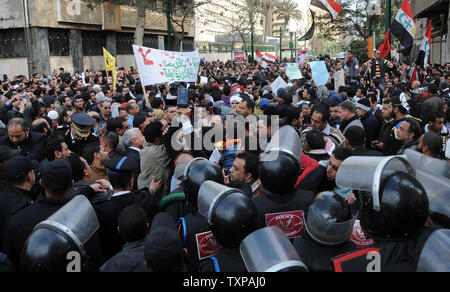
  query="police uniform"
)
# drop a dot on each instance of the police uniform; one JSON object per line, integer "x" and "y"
{"x": 227, "y": 261}
{"x": 268, "y": 203}
{"x": 109, "y": 206}
{"x": 82, "y": 124}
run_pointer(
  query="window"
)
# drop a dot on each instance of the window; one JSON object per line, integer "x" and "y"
{"x": 93, "y": 43}
{"x": 125, "y": 43}
{"x": 12, "y": 43}
{"x": 58, "y": 41}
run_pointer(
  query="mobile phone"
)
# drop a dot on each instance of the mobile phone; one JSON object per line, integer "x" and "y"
{"x": 183, "y": 97}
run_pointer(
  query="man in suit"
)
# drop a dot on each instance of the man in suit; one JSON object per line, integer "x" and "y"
{"x": 134, "y": 142}
{"x": 20, "y": 137}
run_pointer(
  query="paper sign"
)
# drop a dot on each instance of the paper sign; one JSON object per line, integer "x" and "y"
{"x": 204, "y": 79}
{"x": 216, "y": 156}
{"x": 319, "y": 73}
{"x": 239, "y": 57}
{"x": 293, "y": 72}
{"x": 157, "y": 66}
{"x": 277, "y": 84}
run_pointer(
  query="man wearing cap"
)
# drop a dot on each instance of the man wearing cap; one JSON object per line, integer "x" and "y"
{"x": 56, "y": 180}
{"x": 20, "y": 175}
{"x": 370, "y": 124}
{"x": 80, "y": 132}
{"x": 120, "y": 174}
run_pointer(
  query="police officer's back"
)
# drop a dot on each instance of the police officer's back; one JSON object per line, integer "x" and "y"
{"x": 57, "y": 181}
{"x": 108, "y": 208}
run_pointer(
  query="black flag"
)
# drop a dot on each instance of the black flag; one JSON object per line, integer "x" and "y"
{"x": 309, "y": 35}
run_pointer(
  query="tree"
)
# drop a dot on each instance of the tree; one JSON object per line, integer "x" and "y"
{"x": 141, "y": 10}
{"x": 180, "y": 12}
{"x": 288, "y": 9}
{"x": 268, "y": 6}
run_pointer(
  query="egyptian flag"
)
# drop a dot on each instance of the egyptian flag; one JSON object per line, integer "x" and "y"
{"x": 270, "y": 58}
{"x": 385, "y": 47}
{"x": 259, "y": 58}
{"x": 422, "y": 59}
{"x": 332, "y": 6}
{"x": 403, "y": 27}
{"x": 309, "y": 35}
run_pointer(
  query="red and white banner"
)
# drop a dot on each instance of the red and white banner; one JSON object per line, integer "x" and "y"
{"x": 239, "y": 57}
{"x": 157, "y": 66}
{"x": 259, "y": 57}
{"x": 270, "y": 58}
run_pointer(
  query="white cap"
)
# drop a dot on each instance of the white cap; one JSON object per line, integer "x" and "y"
{"x": 53, "y": 115}
{"x": 235, "y": 98}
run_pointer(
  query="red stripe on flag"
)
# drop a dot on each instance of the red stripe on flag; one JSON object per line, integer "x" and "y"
{"x": 336, "y": 7}
{"x": 407, "y": 9}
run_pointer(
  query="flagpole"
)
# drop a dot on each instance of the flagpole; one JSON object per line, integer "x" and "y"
{"x": 388, "y": 22}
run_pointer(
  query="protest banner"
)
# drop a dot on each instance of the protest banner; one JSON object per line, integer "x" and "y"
{"x": 319, "y": 72}
{"x": 157, "y": 66}
{"x": 239, "y": 57}
{"x": 293, "y": 72}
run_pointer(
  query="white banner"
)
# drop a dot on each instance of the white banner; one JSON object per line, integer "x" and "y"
{"x": 157, "y": 66}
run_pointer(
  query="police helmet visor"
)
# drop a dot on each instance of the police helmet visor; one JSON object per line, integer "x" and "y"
{"x": 270, "y": 250}
{"x": 77, "y": 220}
{"x": 287, "y": 140}
{"x": 435, "y": 255}
{"x": 366, "y": 174}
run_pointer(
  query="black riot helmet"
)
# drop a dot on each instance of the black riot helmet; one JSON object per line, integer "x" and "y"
{"x": 404, "y": 209}
{"x": 61, "y": 238}
{"x": 329, "y": 220}
{"x": 197, "y": 172}
{"x": 280, "y": 166}
{"x": 231, "y": 215}
{"x": 394, "y": 204}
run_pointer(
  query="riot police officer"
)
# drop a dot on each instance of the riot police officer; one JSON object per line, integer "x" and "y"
{"x": 80, "y": 133}
{"x": 394, "y": 209}
{"x": 329, "y": 224}
{"x": 192, "y": 225}
{"x": 280, "y": 204}
{"x": 231, "y": 216}
{"x": 60, "y": 243}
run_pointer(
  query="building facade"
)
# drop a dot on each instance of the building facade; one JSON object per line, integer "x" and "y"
{"x": 438, "y": 12}
{"x": 38, "y": 36}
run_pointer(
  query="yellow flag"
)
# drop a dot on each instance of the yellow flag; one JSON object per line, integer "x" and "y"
{"x": 110, "y": 64}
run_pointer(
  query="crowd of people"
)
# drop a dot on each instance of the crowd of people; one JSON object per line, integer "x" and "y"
{"x": 141, "y": 157}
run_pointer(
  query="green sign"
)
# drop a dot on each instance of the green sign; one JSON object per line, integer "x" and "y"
{"x": 293, "y": 72}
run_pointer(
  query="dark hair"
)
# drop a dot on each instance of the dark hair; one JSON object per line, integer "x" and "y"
{"x": 433, "y": 89}
{"x": 436, "y": 115}
{"x": 153, "y": 131}
{"x": 89, "y": 151}
{"x": 315, "y": 139}
{"x": 132, "y": 222}
{"x": 139, "y": 120}
{"x": 414, "y": 127}
{"x": 323, "y": 111}
{"x": 115, "y": 124}
{"x": 250, "y": 103}
{"x": 19, "y": 122}
{"x": 77, "y": 165}
{"x": 355, "y": 136}
{"x": 293, "y": 113}
{"x": 157, "y": 103}
{"x": 434, "y": 143}
{"x": 120, "y": 181}
{"x": 251, "y": 164}
{"x": 52, "y": 146}
{"x": 342, "y": 153}
{"x": 112, "y": 139}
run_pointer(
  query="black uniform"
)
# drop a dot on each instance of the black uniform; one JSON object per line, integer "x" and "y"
{"x": 22, "y": 223}
{"x": 316, "y": 256}
{"x": 227, "y": 261}
{"x": 76, "y": 146}
{"x": 108, "y": 211}
{"x": 266, "y": 203}
{"x": 191, "y": 224}
{"x": 130, "y": 259}
{"x": 12, "y": 200}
